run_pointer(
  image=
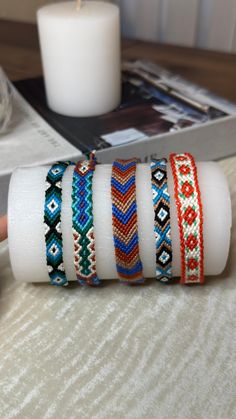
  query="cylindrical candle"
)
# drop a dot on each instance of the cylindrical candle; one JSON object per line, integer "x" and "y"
{"x": 80, "y": 50}
{"x": 26, "y": 228}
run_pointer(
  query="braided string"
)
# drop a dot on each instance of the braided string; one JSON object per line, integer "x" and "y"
{"x": 82, "y": 220}
{"x": 52, "y": 224}
{"x": 162, "y": 231}
{"x": 124, "y": 220}
{"x": 190, "y": 217}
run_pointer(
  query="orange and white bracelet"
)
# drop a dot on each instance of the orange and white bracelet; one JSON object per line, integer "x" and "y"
{"x": 190, "y": 217}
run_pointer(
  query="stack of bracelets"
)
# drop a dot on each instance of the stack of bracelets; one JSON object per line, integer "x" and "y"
{"x": 124, "y": 221}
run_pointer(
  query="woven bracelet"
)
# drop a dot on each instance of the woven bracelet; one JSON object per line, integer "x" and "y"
{"x": 190, "y": 217}
{"x": 82, "y": 220}
{"x": 124, "y": 221}
{"x": 52, "y": 223}
{"x": 162, "y": 231}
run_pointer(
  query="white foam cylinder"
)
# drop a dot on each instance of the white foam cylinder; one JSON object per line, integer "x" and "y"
{"x": 26, "y": 229}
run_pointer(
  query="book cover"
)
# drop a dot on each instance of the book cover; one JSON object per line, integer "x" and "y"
{"x": 154, "y": 102}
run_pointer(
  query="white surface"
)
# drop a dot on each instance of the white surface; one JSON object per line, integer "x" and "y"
{"x": 153, "y": 351}
{"x": 81, "y": 57}
{"x": 26, "y": 238}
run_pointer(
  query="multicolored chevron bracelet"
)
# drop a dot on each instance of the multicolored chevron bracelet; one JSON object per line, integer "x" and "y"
{"x": 190, "y": 217}
{"x": 52, "y": 223}
{"x": 161, "y": 204}
{"x": 82, "y": 220}
{"x": 124, "y": 221}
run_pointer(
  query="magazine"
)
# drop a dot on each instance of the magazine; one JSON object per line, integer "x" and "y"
{"x": 154, "y": 102}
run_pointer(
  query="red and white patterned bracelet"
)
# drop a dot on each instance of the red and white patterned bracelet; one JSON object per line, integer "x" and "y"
{"x": 190, "y": 217}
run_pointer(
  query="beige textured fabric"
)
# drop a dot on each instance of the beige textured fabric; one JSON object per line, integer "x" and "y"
{"x": 118, "y": 352}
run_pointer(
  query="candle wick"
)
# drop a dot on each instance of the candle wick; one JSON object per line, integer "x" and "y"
{"x": 78, "y": 4}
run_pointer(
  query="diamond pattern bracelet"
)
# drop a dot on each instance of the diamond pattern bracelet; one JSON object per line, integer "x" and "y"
{"x": 190, "y": 217}
{"x": 162, "y": 230}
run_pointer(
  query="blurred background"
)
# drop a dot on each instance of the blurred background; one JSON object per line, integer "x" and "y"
{"x": 207, "y": 24}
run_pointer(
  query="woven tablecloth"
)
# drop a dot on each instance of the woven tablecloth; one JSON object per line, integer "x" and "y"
{"x": 120, "y": 352}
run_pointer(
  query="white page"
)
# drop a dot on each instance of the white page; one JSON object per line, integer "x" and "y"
{"x": 30, "y": 140}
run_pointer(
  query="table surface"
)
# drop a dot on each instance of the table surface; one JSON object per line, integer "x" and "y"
{"x": 120, "y": 352}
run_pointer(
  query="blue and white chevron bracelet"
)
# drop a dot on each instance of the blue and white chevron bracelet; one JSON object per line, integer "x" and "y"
{"x": 82, "y": 221}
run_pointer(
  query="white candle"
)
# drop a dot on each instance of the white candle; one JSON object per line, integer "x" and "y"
{"x": 26, "y": 229}
{"x": 80, "y": 48}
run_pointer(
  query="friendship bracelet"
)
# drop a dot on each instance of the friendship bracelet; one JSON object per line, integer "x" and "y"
{"x": 162, "y": 230}
{"x": 124, "y": 221}
{"x": 190, "y": 217}
{"x": 82, "y": 220}
{"x": 52, "y": 223}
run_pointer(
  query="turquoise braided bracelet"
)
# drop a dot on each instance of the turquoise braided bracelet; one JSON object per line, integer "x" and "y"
{"x": 52, "y": 223}
{"x": 162, "y": 231}
{"x": 82, "y": 220}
